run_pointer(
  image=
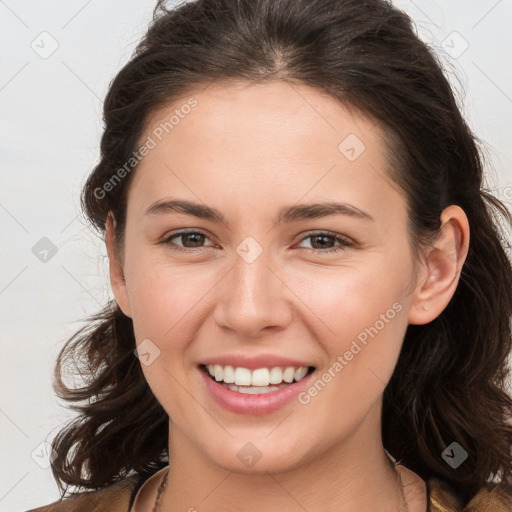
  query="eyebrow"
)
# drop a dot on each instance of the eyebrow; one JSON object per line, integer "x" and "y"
{"x": 286, "y": 214}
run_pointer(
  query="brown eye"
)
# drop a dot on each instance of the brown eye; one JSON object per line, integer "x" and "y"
{"x": 189, "y": 240}
{"x": 195, "y": 239}
{"x": 323, "y": 242}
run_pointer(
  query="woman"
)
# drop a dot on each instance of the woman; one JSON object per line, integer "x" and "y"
{"x": 312, "y": 299}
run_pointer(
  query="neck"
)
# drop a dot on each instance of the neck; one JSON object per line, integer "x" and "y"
{"x": 349, "y": 477}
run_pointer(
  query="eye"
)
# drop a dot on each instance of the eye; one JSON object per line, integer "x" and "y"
{"x": 324, "y": 240}
{"x": 190, "y": 238}
{"x": 194, "y": 239}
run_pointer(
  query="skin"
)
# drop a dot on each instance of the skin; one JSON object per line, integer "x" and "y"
{"x": 249, "y": 150}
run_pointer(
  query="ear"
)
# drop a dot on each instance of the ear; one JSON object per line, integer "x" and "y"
{"x": 440, "y": 270}
{"x": 117, "y": 280}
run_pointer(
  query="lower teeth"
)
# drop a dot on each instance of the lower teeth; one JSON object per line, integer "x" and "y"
{"x": 253, "y": 390}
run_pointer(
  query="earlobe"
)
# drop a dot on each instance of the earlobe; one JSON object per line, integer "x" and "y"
{"x": 441, "y": 267}
{"x": 117, "y": 278}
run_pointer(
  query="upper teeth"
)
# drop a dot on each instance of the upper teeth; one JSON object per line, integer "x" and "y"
{"x": 259, "y": 377}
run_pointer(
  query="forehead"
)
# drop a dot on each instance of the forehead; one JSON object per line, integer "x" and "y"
{"x": 240, "y": 112}
{"x": 263, "y": 141}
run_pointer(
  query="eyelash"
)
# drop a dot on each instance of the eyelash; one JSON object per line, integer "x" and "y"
{"x": 344, "y": 243}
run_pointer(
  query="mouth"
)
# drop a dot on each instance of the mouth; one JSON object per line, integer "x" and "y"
{"x": 257, "y": 381}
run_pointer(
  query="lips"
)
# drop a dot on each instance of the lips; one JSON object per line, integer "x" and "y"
{"x": 254, "y": 389}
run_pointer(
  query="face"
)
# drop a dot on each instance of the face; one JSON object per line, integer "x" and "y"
{"x": 227, "y": 262}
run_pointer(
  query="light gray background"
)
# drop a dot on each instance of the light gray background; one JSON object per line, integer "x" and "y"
{"x": 50, "y": 130}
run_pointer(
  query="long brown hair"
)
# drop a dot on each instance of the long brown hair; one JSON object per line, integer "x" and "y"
{"x": 449, "y": 384}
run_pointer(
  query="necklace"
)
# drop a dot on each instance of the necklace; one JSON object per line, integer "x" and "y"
{"x": 161, "y": 487}
{"x": 392, "y": 461}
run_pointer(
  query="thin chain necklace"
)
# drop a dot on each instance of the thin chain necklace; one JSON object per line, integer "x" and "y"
{"x": 161, "y": 487}
{"x": 392, "y": 461}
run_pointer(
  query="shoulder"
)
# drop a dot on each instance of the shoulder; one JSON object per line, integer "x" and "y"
{"x": 114, "y": 498}
{"x": 491, "y": 498}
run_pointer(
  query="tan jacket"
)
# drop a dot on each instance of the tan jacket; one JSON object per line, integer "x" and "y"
{"x": 119, "y": 497}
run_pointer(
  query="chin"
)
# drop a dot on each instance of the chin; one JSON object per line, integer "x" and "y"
{"x": 258, "y": 457}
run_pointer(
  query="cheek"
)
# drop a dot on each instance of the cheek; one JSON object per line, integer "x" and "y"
{"x": 367, "y": 321}
{"x": 166, "y": 307}
{"x": 364, "y": 307}
{"x": 166, "y": 300}
{"x": 159, "y": 306}
{"x": 351, "y": 298}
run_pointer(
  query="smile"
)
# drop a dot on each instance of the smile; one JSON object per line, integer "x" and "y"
{"x": 255, "y": 391}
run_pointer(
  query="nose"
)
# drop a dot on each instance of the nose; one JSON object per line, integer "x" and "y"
{"x": 254, "y": 299}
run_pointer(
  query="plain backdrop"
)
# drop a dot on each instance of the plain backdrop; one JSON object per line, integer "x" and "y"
{"x": 56, "y": 61}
